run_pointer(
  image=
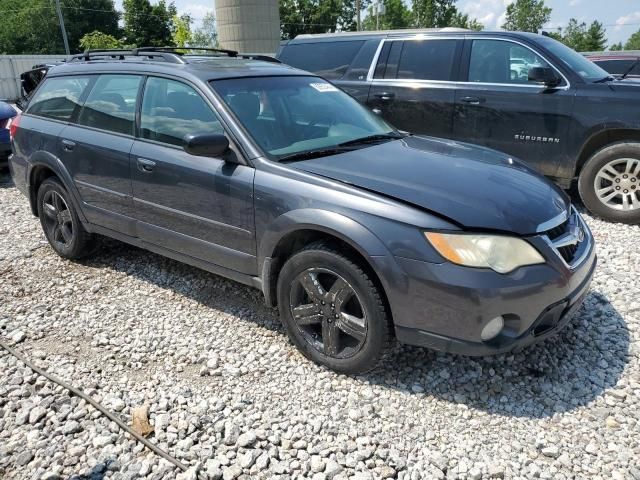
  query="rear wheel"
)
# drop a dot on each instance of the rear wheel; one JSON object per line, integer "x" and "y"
{"x": 609, "y": 183}
{"x": 60, "y": 222}
{"x": 332, "y": 310}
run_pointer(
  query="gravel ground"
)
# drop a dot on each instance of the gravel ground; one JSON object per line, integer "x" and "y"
{"x": 226, "y": 391}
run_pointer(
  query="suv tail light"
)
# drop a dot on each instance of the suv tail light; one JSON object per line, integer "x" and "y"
{"x": 14, "y": 123}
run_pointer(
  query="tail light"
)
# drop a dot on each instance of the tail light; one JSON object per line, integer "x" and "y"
{"x": 14, "y": 123}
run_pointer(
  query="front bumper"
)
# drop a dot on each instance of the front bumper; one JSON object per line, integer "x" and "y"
{"x": 446, "y": 306}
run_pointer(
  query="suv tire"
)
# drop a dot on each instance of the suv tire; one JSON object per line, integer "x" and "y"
{"x": 609, "y": 176}
{"x": 60, "y": 222}
{"x": 332, "y": 310}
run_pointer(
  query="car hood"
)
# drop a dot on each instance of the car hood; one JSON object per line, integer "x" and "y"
{"x": 476, "y": 187}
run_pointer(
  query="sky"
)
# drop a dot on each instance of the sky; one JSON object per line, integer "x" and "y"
{"x": 620, "y": 17}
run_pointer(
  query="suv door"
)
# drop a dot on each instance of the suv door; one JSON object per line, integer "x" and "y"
{"x": 95, "y": 149}
{"x": 412, "y": 83}
{"x": 498, "y": 107}
{"x": 198, "y": 206}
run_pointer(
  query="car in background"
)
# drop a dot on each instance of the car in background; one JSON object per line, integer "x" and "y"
{"x": 7, "y": 112}
{"x": 566, "y": 117}
{"x": 618, "y": 65}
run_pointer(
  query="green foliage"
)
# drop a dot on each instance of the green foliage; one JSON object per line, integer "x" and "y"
{"x": 616, "y": 47}
{"x": 462, "y": 20}
{"x": 582, "y": 38}
{"x": 99, "y": 40}
{"x": 147, "y": 24}
{"x": 317, "y": 16}
{"x": 206, "y": 35}
{"x": 396, "y": 15}
{"x": 634, "y": 42}
{"x": 181, "y": 34}
{"x": 32, "y": 27}
{"x": 434, "y": 13}
{"x": 526, "y": 16}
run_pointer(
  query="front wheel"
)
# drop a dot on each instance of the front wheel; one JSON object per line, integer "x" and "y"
{"x": 609, "y": 183}
{"x": 332, "y": 310}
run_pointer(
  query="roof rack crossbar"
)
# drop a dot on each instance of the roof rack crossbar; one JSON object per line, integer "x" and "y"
{"x": 121, "y": 54}
{"x": 179, "y": 50}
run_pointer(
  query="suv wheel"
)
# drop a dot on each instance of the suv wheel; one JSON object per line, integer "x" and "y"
{"x": 332, "y": 310}
{"x": 60, "y": 222}
{"x": 609, "y": 183}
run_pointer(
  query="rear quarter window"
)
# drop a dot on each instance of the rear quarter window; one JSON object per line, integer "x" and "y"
{"x": 330, "y": 60}
{"x": 58, "y": 97}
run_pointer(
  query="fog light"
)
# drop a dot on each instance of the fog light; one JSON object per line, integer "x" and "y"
{"x": 492, "y": 328}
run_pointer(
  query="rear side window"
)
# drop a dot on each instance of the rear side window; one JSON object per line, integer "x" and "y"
{"x": 418, "y": 60}
{"x": 499, "y": 61}
{"x": 58, "y": 97}
{"x": 172, "y": 109}
{"x": 111, "y": 105}
{"x": 327, "y": 59}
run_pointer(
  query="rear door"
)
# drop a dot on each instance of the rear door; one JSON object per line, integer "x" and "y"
{"x": 95, "y": 149}
{"x": 497, "y": 106}
{"x": 412, "y": 84}
{"x": 198, "y": 206}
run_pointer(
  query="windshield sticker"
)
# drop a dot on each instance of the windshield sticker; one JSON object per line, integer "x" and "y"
{"x": 324, "y": 87}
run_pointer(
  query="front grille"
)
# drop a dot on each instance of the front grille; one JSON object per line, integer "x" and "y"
{"x": 568, "y": 237}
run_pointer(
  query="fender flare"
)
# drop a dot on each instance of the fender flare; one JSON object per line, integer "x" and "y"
{"x": 45, "y": 159}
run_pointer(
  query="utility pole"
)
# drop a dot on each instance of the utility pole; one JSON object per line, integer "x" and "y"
{"x": 358, "y": 26}
{"x": 64, "y": 30}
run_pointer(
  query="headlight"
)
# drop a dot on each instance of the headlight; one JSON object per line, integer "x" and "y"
{"x": 500, "y": 253}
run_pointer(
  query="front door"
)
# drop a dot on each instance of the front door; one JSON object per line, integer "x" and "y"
{"x": 198, "y": 206}
{"x": 412, "y": 85}
{"x": 499, "y": 108}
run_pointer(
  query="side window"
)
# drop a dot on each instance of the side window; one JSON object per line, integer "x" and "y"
{"x": 58, "y": 97}
{"x": 172, "y": 109}
{"x": 427, "y": 60}
{"x": 330, "y": 60}
{"x": 498, "y": 61}
{"x": 111, "y": 104}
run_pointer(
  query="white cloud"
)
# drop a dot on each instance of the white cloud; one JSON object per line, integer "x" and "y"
{"x": 631, "y": 18}
{"x": 574, "y": 3}
{"x": 491, "y": 13}
{"x": 196, "y": 10}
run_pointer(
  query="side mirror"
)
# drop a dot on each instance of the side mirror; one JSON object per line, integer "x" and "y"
{"x": 206, "y": 144}
{"x": 544, "y": 75}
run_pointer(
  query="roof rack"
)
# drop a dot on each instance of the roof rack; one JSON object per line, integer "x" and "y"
{"x": 167, "y": 54}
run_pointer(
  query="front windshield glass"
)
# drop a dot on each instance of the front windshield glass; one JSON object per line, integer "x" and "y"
{"x": 291, "y": 115}
{"x": 589, "y": 71}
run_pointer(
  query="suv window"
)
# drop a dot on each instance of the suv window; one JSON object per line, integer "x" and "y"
{"x": 58, "y": 97}
{"x": 111, "y": 104}
{"x": 427, "y": 59}
{"x": 172, "y": 109}
{"x": 500, "y": 61}
{"x": 328, "y": 59}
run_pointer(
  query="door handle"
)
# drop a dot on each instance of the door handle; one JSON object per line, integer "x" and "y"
{"x": 68, "y": 145}
{"x": 145, "y": 165}
{"x": 473, "y": 100}
{"x": 385, "y": 95}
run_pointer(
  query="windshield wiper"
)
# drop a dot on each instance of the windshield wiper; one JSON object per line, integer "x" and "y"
{"x": 309, "y": 154}
{"x": 630, "y": 69}
{"x": 608, "y": 78}
{"x": 372, "y": 139}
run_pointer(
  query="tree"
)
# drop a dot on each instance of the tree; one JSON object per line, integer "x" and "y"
{"x": 317, "y": 16}
{"x": 433, "y": 13}
{"x": 462, "y": 20}
{"x": 582, "y": 39}
{"x": 181, "y": 34}
{"x": 148, "y": 25}
{"x": 396, "y": 15}
{"x": 98, "y": 40}
{"x": 616, "y": 47}
{"x": 206, "y": 35}
{"x": 595, "y": 37}
{"x": 32, "y": 27}
{"x": 634, "y": 42}
{"x": 526, "y": 16}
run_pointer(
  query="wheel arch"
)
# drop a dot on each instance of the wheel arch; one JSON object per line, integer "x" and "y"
{"x": 604, "y": 138}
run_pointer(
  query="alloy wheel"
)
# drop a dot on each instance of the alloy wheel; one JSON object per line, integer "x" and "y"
{"x": 617, "y": 184}
{"x": 328, "y": 313}
{"x": 58, "y": 220}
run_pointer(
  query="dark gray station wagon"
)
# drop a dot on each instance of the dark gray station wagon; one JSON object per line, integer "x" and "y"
{"x": 275, "y": 178}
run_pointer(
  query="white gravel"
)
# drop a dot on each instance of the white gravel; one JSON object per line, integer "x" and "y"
{"x": 228, "y": 393}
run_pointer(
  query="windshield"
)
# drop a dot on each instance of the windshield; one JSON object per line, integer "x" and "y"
{"x": 589, "y": 71}
{"x": 290, "y": 115}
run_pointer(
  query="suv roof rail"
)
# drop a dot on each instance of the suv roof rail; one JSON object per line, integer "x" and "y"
{"x": 168, "y": 54}
{"x": 400, "y": 31}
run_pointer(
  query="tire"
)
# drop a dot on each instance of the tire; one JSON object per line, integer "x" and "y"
{"x": 352, "y": 330}
{"x": 60, "y": 222}
{"x": 605, "y": 178}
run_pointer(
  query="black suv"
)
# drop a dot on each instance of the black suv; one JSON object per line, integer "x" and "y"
{"x": 524, "y": 94}
{"x": 276, "y": 178}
